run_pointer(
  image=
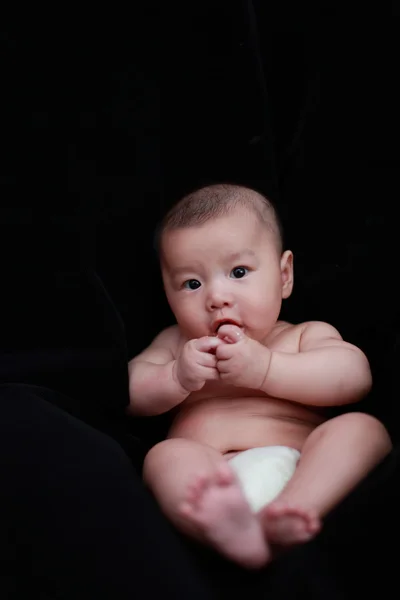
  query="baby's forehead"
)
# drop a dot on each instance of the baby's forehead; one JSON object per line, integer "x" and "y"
{"x": 239, "y": 219}
{"x": 180, "y": 246}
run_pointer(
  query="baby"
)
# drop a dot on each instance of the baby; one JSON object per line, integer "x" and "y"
{"x": 239, "y": 379}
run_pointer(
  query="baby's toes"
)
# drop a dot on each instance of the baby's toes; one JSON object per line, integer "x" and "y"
{"x": 196, "y": 488}
{"x": 224, "y": 475}
{"x": 277, "y": 510}
{"x": 186, "y": 510}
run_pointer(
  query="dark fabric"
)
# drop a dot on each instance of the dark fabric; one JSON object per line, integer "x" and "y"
{"x": 253, "y": 94}
{"x": 340, "y": 563}
{"x": 45, "y": 334}
{"x": 76, "y": 521}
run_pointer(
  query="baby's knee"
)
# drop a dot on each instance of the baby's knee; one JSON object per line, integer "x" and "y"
{"x": 370, "y": 428}
{"x": 153, "y": 461}
{"x": 160, "y": 457}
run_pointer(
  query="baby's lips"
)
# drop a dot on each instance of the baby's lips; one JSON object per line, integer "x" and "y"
{"x": 230, "y": 333}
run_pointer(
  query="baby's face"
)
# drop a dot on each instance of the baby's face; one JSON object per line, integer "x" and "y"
{"x": 229, "y": 269}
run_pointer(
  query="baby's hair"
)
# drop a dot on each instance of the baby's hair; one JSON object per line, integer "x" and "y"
{"x": 218, "y": 200}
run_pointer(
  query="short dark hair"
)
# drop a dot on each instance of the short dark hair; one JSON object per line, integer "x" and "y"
{"x": 218, "y": 200}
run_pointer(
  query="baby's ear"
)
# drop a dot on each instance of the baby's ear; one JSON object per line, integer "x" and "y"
{"x": 287, "y": 273}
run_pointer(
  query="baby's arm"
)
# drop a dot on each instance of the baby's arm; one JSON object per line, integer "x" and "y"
{"x": 327, "y": 371}
{"x": 153, "y": 388}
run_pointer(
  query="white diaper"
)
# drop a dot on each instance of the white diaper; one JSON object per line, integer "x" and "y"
{"x": 264, "y": 472}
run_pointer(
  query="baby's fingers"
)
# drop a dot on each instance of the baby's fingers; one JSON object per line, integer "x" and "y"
{"x": 210, "y": 373}
{"x": 207, "y": 343}
{"x": 230, "y": 333}
{"x": 224, "y": 352}
{"x": 205, "y": 359}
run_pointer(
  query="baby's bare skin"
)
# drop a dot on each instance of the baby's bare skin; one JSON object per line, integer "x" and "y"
{"x": 253, "y": 419}
{"x": 238, "y": 378}
{"x": 221, "y": 420}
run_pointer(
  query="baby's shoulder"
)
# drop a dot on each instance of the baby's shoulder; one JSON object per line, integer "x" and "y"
{"x": 170, "y": 338}
{"x": 284, "y": 336}
{"x": 290, "y": 336}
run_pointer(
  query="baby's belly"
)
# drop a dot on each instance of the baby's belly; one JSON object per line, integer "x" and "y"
{"x": 236, "y": 424}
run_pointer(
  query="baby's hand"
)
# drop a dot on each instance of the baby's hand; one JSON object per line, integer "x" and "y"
{"x": 241, "y": 361}
{"x": 197, "y": 363}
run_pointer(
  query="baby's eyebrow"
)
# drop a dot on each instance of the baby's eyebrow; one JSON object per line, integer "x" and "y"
{"x": 179, "y": 270}
{"x": 231, "y": 257}
{"x": 182, "y": 269}
{"x": 243, "y": 253}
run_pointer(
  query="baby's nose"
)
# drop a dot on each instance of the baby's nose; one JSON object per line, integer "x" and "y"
{"x": 219, "y": 299}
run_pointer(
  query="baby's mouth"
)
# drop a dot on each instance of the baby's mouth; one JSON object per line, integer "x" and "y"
{"x": 225, "y": 322}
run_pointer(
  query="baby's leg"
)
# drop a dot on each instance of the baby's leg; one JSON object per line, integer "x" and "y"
{"x": 335, "y": 458}
{"x": 200, "y": 494}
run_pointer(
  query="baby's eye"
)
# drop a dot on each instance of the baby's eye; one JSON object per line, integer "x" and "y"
{"x": 192, "y": 284}
{"x": 239, "y": 272}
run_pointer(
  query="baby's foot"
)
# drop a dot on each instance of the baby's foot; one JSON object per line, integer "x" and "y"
{"x": 284, "y": 524}
{"x": 217, "y": 507}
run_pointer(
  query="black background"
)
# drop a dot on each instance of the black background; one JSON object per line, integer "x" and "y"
{"x": 107, "y": 118}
